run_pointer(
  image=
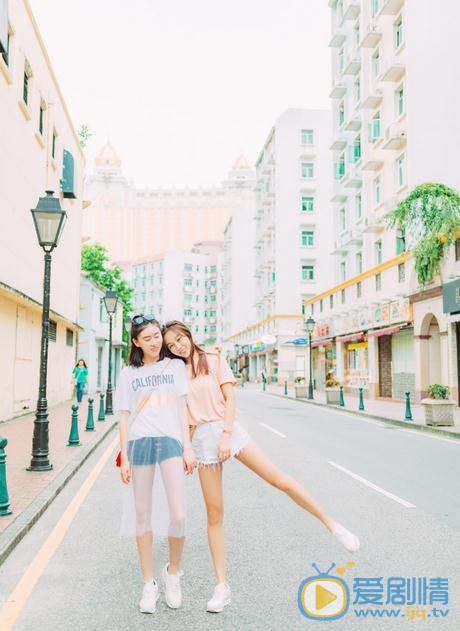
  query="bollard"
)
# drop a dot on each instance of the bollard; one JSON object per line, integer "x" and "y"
{"x": 4, "y": 501}
{"x": 263, "y": 385}
{"x": 74, "y": 438}
{"x": 90, "y": 420}
{"x": 408, "y": 414}
{"x": 341, "y": 400}
{"x": 285, "y": 388}
{"x": 361, "y": 400}
{"x": 101, "y": 415}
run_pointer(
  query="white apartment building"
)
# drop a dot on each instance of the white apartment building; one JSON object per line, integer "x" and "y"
{"x": 238, "y": 262}
{"x": 293, "y": 223}
{"x": 93, "y": 339}
{"x": 133, "y": 222}
{"x": 395, "y": 125}
{"x": 40, "y": 151}
{"x": 180, "y": 286}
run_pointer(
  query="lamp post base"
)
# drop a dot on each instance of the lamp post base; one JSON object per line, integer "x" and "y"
{"x": 108, "y": 401}
{"x": 38, "y": 465}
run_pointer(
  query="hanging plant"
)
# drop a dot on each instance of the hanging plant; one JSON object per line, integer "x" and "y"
{"x": 429, "y": 217}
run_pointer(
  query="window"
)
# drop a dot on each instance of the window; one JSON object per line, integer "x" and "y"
{"x": 6, "y": 53}
{"x": 398, "y": 32}
{"x": 273, "y": 277}
{"x": 41, "y": 117}
{"x": 307, "y": 238}
{"x": 399, "y": 101}
{"x": 341, "y": 114}
{"x": 400, "y": 242}
{"x": 321, "y": 305}
{"x": 340, "y": 167}
{"x": 69, "y": 337}
{"x": 340, "y": 60}
{"x": 343, "y": 271}
{"x": 377, "y": 191}
{"x": 188, "y": 313}
{"x": 197, "y": 268}
{"x": 457, "y": 250}
{"x": 213, "y": 298}
{"x": 188, "y": 297}
{"x": 356, "y": 34}
{"x": 359, "y": 262}
{"x": 308, "y": 272}
{"x": 307, "y": 170}
{"x": 355, "y": 149}
{"x": 358, "y": 207}
{"x": 375, "y": 63}
{"x": 378, "y": 282}
{"x": 401, "y": 272}
{"x": 374, "y": 128}
{"x": 342, "y": 219}
{"x": 375, "y": 6}
{"x": 357, "y": 91}
{"x": 188, "y": 282}
{"x": 52, "y": 332}
{"x": 307, "y": 204}
{"x": 378, "y": 252}
{"x": 331, "y": 301}
{"x": 307, "y": 136}
{"x": 359, "y": 289}
{"x": 400, "y": 171}
{"x": 342, "y": 296}
{"x": 25, "y": 88}
{"x": 188, "y": 267}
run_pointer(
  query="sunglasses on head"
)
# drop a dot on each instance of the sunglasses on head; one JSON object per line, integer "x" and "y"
{"x": 140, "y": 319}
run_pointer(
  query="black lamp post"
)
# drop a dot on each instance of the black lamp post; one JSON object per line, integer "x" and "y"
{"x": 310, "y": 324}
{"x": 110, "y": 301}
{"x": 49, "y": 220}
{"x": 237, "y": 351}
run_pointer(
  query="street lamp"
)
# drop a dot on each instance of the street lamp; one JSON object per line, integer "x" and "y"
{"x": 310, "y": 324}
{"x": 110, "y": 301}
{"x": 49, "y": 220}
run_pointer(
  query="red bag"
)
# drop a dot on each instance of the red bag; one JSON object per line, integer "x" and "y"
{"x": 118, "y": 460}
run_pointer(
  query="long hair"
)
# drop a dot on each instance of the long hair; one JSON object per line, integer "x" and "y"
{"x": 136, "y": 354}
{"x": 201, "y": 367}
{"x": 81, "y": 360}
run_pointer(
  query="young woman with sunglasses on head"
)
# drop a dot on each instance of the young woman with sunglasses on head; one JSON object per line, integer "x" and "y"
{"x": 154, "y": 451}
{"x": 217, "y": 437}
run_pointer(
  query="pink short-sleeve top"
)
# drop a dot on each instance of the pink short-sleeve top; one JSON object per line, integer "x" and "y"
{"x": 205, "y": 399}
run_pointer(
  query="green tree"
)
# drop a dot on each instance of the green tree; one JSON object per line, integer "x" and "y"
{"x": 95, "y": 263}
{"x": 84, "y": 134}
{"x": 430, "y": 217}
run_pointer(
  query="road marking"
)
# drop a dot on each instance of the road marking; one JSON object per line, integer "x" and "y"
{"x": 18, "y": 597}
{"x": 272, "y": 429}
{"x": 372, "y": 486}
{"x": 452, "y": 441}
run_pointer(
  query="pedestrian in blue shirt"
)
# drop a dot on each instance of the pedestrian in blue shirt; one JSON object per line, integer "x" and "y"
{"x": 80, "y": 374}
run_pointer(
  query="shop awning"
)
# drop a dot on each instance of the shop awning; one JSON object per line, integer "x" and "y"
{"x": 326, "y": 342}
{"x": 350, "y": 338}
{"x": 388, "y": 331}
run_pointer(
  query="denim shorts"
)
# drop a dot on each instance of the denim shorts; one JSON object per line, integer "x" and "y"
{"x": 153, "y": 450}
{"x": 206, "y": 440}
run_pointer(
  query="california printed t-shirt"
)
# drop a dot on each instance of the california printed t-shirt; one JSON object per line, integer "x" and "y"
{"x": 205, "y": 399}
{"x": 153, "y": 395}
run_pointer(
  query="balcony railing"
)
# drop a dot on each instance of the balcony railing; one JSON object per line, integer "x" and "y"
{"x": 394, "y": 71}
{"x": 337, "y": 39}
{"x": 372, "y": 99}
{"x": 338, "y": 88}
{"x": 352, "y": 65}
{"x": 395, "y": 137}
{"x": 372, "y": 36}
{"x": 391, "y": 7}
{"x": 351, "y": 9}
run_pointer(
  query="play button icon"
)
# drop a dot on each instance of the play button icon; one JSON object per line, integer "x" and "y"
{"x": 323, "y": 597}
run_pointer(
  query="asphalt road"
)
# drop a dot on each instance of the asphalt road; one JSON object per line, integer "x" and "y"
{"x": 404, "y": 506}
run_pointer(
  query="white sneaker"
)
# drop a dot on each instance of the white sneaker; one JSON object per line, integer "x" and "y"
{"x": 173, "y": 592}
{"x": 221, "y": 598}
{"x": 148, "y": 603}
{"x": 349, "y": 541}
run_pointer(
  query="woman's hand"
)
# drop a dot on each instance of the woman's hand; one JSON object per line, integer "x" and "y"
{"x": 224, "y": 451}
{"x": 125, "y": 470}
{"x": 189, "y": 460}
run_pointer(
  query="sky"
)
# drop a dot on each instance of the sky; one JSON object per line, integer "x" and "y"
{"x": 181, "y": 88}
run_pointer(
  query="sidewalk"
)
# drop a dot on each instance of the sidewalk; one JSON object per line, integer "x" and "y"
{"x": 30, "y": 492}
{"x": 380, "y": 409}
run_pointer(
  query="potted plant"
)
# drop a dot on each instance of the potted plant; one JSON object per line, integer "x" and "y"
{"x": 300, "y": 388}
{"x": 332, "y": 390}
{"x": 439, "y": 409}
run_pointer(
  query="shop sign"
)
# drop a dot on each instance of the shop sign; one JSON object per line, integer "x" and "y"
{"x": 451, "y": 296}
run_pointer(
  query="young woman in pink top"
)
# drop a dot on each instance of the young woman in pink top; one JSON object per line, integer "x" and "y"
{"x": 217, "y": 436}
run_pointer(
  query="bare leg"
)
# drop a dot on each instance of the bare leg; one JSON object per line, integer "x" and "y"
{"x": 173, "y": 479}
{"x": 255, "y": 459}
{"x": 142, "y": 487}
{"x": 211, "y": 487}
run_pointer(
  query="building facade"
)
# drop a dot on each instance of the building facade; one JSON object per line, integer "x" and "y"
{"x": 40, "y": 151}
{"x": 375, "y": 327}
{"x": 293, "y": 223}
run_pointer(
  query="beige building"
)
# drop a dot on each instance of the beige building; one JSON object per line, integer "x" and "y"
{"x": 40, "y": 151}
{"x": 135, "y": 223}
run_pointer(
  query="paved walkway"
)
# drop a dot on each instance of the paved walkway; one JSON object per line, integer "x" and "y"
{"x": 383, "y": 409}
{"x": 25, "y": 487}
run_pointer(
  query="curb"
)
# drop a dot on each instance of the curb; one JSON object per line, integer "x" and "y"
{"x": 18, "y": 529}
{"x": 407, "y": 424}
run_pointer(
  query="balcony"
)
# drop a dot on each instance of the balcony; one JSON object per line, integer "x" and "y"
{"x": 372, "y": 165}
{"x": 391, "y": 7}
{"x": 354, "y": 178}
{"x": 395, "y": 137}
{"x": 337, "y": 39}
{"x": 373, "y": 225}
{"x": 372, "y": 100}
{"x": 351, "y": 9}
{"x": 372, "y": 37}
{"x": 338, "y": 88}
{"x": 339, "y": 196}
{"x": 339, "y": 248}
{"x": 352, "y": 65}
{"x": 352, "y": 237}
{"x": 394, "y": 71}
{"x": 353, "y": 124}
{"x": 338, "y": 144}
